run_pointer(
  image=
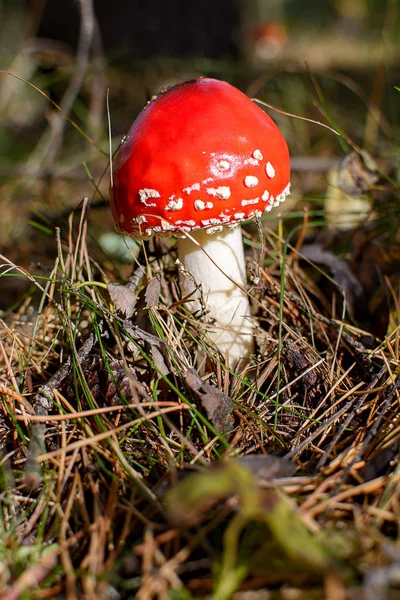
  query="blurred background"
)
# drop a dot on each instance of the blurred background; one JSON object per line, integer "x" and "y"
{"x": 335, "y": 61}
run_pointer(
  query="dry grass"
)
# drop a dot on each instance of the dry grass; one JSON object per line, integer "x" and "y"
{"x": 134, "y": 461}
{"x": 107, "y": 484}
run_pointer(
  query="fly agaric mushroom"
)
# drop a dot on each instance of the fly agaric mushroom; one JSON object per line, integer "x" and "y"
{"x": 200, "y": 158}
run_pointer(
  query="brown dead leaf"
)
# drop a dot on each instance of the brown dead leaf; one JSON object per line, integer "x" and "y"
{"x": 217, "y": 405}
{"x": 124, "y": 299}
{"x": 267, "y": 466}
{"x": 379, "y": 464}
{"x": 156, "y": 345}
{"x": 152, "y": 293}
{"x": 339, "y": 271}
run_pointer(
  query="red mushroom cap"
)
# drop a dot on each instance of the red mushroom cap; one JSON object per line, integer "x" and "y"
{"x": 200, "y": 155}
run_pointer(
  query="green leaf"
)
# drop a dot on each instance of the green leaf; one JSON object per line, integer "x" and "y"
{"x": 279, "y": 534}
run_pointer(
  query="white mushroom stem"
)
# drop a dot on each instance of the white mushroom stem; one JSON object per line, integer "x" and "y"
{"x": 223, "y": 288}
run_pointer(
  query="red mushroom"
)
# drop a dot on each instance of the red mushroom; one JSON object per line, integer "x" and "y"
{"x": 200, "y": 158}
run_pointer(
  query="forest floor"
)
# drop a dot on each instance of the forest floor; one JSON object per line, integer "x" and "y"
{"x": 135, "y": 462}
